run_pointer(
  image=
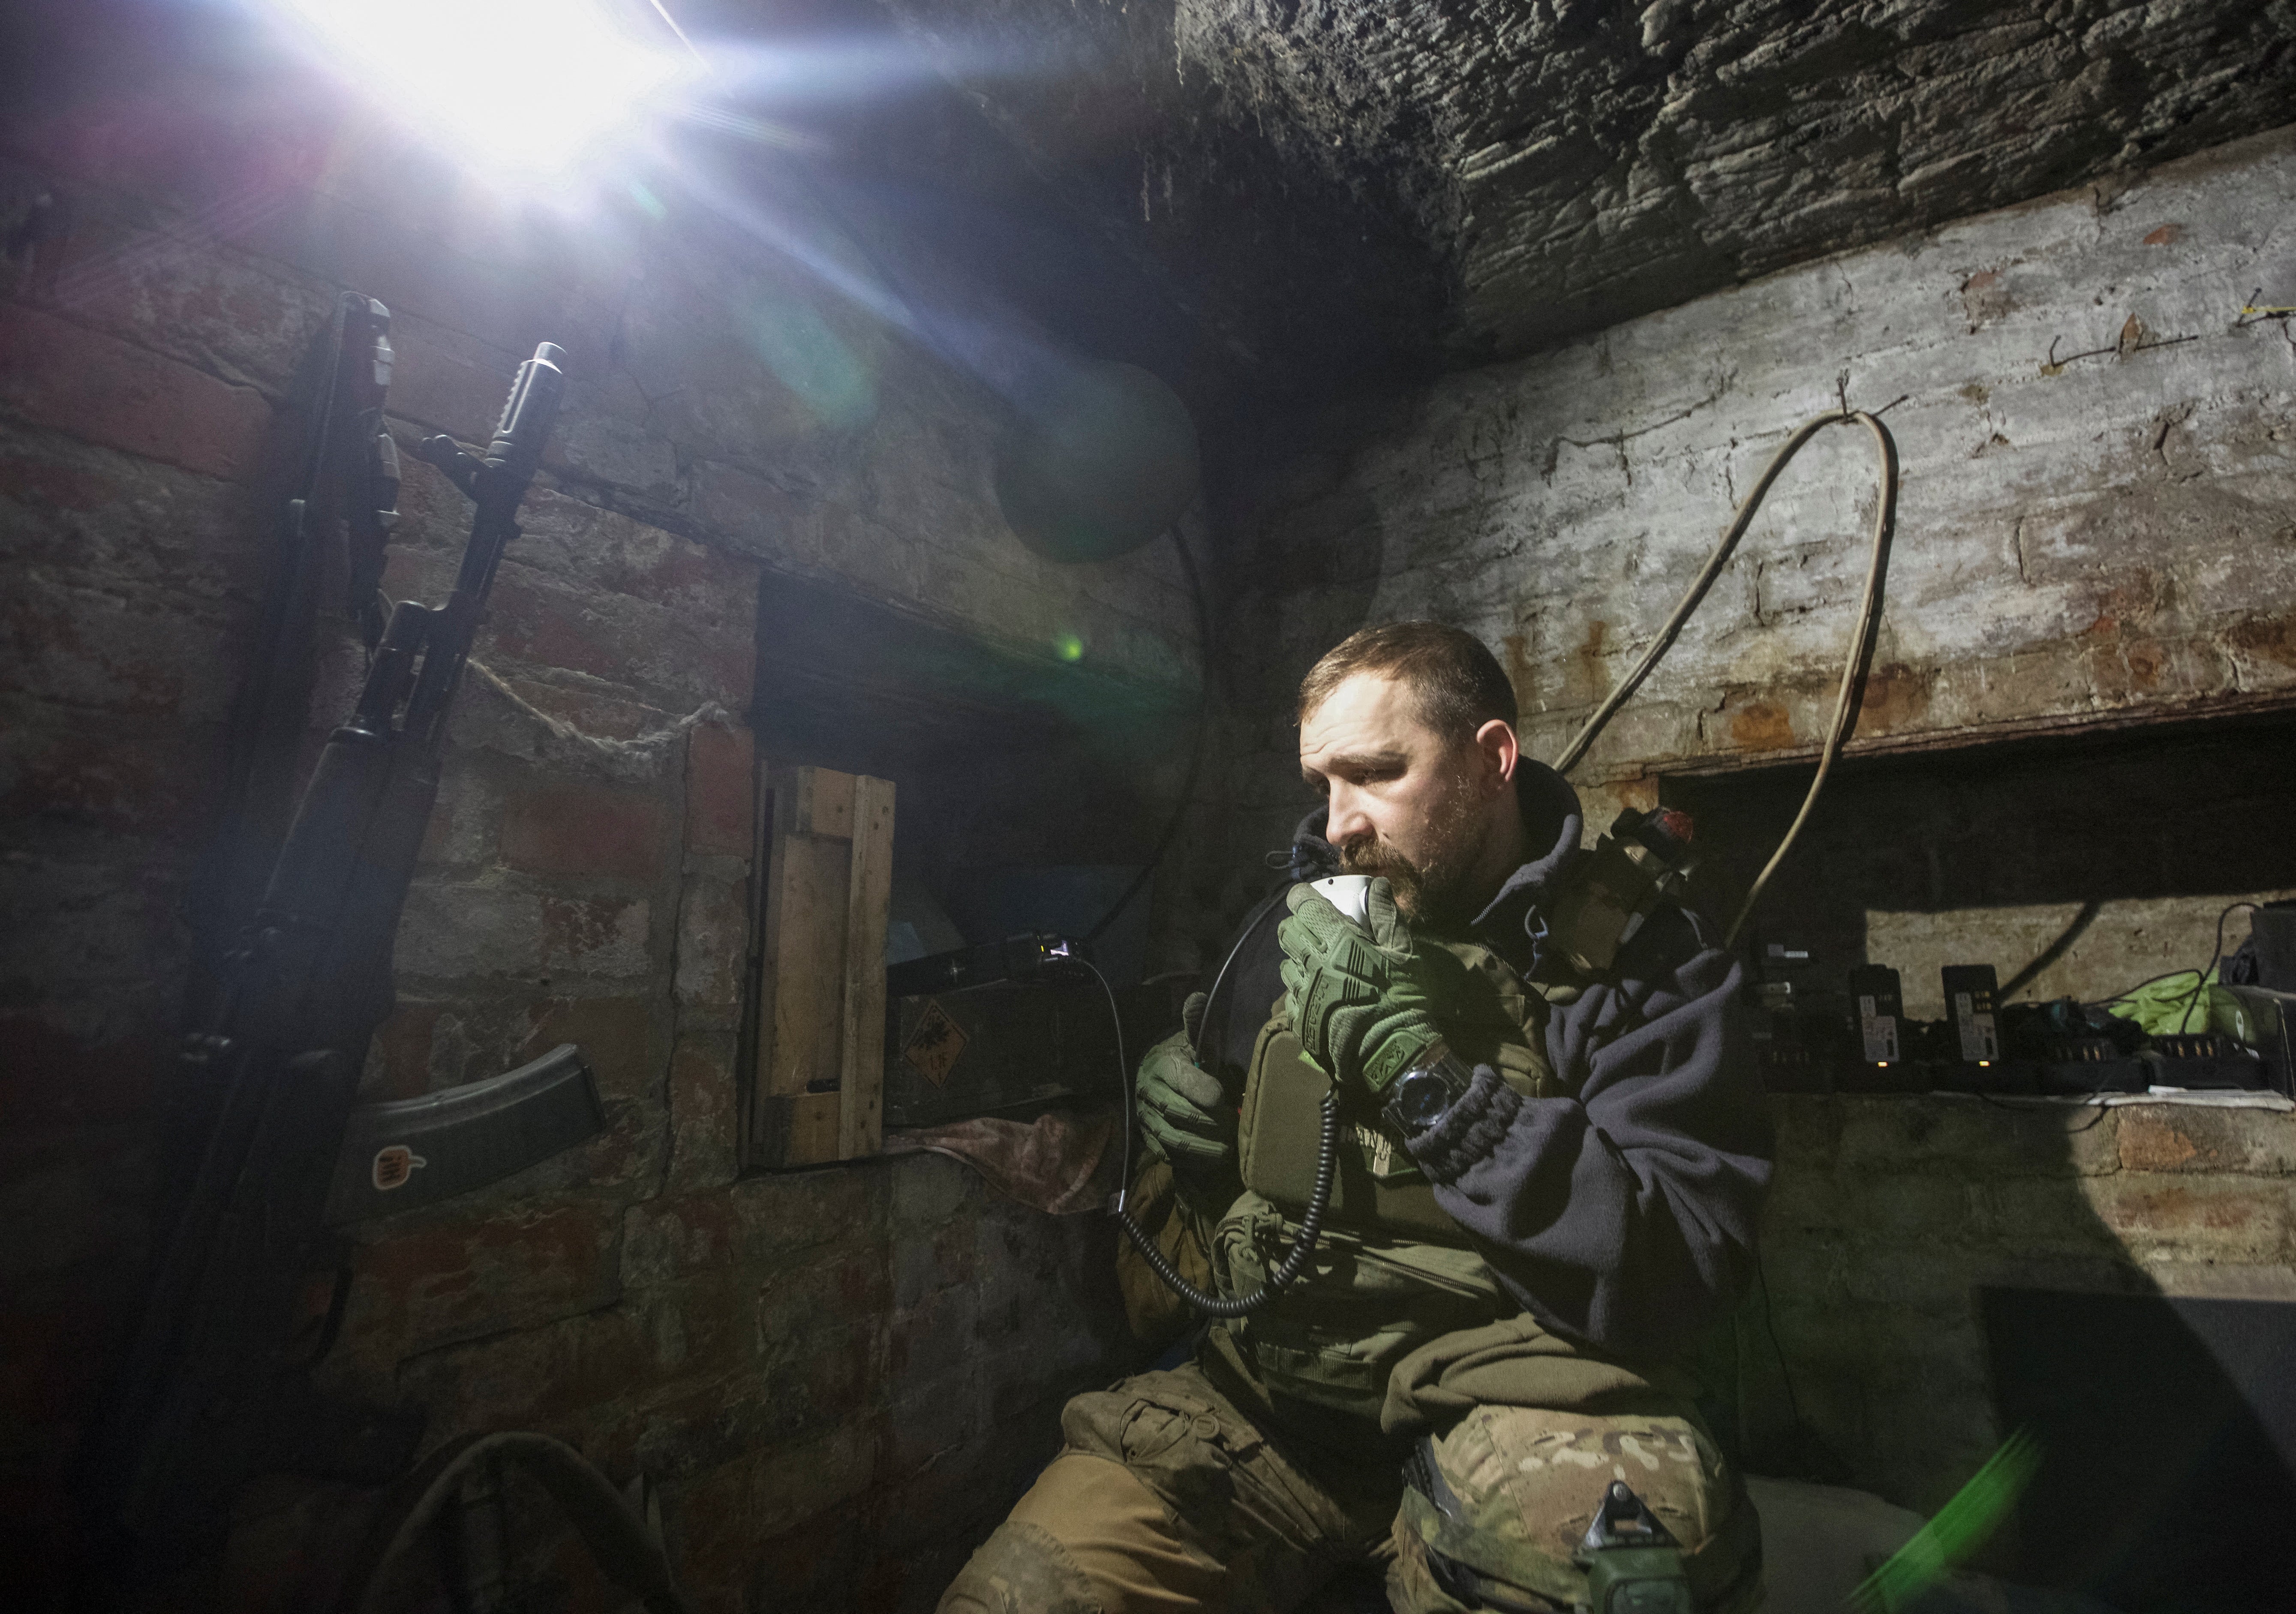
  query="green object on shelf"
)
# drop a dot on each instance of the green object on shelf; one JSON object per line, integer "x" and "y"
{"x": 2171, "y": 1005}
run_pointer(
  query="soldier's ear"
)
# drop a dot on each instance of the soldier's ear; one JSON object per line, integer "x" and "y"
{"x": 1498, "y": 752}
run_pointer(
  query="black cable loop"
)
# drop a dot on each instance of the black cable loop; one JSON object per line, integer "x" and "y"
{"x": 1311, "y": 1221}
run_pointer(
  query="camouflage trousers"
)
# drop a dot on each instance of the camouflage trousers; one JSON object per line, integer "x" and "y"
{"x": 1167, "y": 1498}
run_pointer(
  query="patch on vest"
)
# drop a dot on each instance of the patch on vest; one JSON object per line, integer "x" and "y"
{"x": 1384, "y": 1158}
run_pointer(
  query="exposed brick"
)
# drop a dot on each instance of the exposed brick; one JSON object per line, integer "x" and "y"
{"x": 703, "y": 1112}
{"x": 516, "y": 1269}
{"x": 616, "y": 1036}
{"x": 506, "y": 289}
{"x": 572, "y": 826}
{"x": 447, "y": 932}
{"x": 85, "y": 641}
{"x": 400, "y": 1067}
{"x": 713, "y": 922}
{"x": 598, "y": 937}
{"x": 930, "y": 1260}
{"x": 465, "y": 820}
{"x": 600, "y": 716}
{"x": 596, "y": 592}
{"x": 1964, "y": 1136}
{"x": 937, "y": 1333}
{"x": 94, "y": 514}
{"x": 717, "y": 1516}
{"x": 56, "y": 373}
{"x": 756, "y": 516}
{"x": 720, "y": 788}
{"x": 215, "y": 308}
{"x": 547, "y": 1374}
{"x": 447, "y": 381}
{"x": 2192, "y": 1139}
{"x": 930, "y": 1189}
{"x": 841, "y": 1287}
{"x": 2225, "y": 1219}
{"x": 758, "y": 1220}
{"x": 135, "y": 774}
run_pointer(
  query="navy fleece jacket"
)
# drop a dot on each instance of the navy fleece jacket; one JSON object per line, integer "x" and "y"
{"x": 1623, "y": 1216}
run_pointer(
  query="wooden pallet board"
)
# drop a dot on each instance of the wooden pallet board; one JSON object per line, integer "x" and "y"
{"x": 816, "y": 1086}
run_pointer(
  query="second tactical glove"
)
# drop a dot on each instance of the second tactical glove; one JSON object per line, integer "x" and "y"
{"x": 1363, "y": 999}
{"x": 1183, "y": 1108}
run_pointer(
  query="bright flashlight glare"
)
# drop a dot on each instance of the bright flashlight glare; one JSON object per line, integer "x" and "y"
{"x": 516, "y": 88}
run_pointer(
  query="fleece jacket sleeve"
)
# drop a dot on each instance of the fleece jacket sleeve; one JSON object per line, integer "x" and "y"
{"x": 1622, "y": 1217}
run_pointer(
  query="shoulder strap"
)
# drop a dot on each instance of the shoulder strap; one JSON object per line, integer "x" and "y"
{"x": 1605, "y": 896}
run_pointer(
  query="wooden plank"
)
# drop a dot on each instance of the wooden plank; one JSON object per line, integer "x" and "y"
{"x": 806, "y": 941}
{"x": 812, "y": 1136}
{"x": 869, "y": 896}
{"x": 816, "y": 1087}
{"x": 820, "y": 803}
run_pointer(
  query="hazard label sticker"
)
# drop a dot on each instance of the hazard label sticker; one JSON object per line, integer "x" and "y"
{"x": 933, "y": 1048}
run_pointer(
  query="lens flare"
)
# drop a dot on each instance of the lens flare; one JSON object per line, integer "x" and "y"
{"x": 520, "y": 89}
{"x": 1960, "y": 1527}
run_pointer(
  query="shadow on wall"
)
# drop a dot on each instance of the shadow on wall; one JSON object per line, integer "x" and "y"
{"x": 1310, "y": 580}
{"x": 1943, "y": 1269}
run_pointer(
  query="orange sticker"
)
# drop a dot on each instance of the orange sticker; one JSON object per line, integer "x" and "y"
{"x": 394, "y": 1164}
{"x": 933, "y": 1047}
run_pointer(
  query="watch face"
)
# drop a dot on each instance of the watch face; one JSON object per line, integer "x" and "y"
{"x": 1421, "y": 1097}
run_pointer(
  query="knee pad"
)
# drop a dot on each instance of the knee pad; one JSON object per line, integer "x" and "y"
{"x": 1514, "y": 1511}
{"x": 1021, "y": 1568}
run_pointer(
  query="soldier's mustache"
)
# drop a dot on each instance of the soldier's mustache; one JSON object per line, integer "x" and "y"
{"x": 1369, "y": 854}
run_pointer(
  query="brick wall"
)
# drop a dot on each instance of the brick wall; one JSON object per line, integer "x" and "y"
{"x": 1889, "y": 1213}
{"x": 2101, "y": 538}
{"x": 813, "y": 1366}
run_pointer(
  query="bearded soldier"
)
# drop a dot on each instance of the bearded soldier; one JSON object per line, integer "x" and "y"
{"x": 1554, "y": 1154}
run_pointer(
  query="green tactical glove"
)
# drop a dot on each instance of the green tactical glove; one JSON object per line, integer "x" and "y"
{"x": 1362, "y": 998}
{"x": 1183, "y": 1108}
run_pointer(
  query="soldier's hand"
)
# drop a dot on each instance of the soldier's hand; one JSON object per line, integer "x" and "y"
{"x": 1362, "y": 998}
{"x": 1182, "y": 1107}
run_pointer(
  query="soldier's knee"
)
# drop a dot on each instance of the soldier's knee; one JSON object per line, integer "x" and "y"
{"x": 1021, "y": 1568}
{"x": 1502, "y": 1505}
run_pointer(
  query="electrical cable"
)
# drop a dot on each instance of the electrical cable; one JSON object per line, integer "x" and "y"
{"x": 1770, "y": 1327}
{"x": 1212, "y": 998}
{"x": 1861, "y": 650}
{"x": 2200, "y": 988}
{"x": 2200, "y": 983}
{"x": 624, "y": 1543}
{"x": 1196, "y": 752}
{"x": 1311, "y": 1220}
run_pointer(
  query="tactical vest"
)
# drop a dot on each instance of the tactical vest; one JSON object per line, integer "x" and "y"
{"x": 1392, "y": 1270}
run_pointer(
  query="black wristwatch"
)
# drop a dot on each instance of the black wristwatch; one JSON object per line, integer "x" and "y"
{"x": 1437, "y": 1080}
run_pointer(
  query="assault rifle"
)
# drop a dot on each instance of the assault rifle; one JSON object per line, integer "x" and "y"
{"x": 212, "y": 1388}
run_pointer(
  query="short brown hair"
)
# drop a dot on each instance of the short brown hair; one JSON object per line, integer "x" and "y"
{"x": 1459, "y": 684}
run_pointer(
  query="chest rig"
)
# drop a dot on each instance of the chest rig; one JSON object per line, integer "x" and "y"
{"x": 1501, "y": 1022}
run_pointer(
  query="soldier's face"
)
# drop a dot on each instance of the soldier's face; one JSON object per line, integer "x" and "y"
{"x": 1404, "y": 802}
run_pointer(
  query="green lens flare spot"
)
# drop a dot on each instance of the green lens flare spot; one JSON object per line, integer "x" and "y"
{"x": 1070, "y": 647}
{"x": 809, "y": 358}
{"x": 650, "y": 204}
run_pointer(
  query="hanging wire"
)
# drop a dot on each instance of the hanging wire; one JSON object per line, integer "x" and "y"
{"x": 1855, "y": 666}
